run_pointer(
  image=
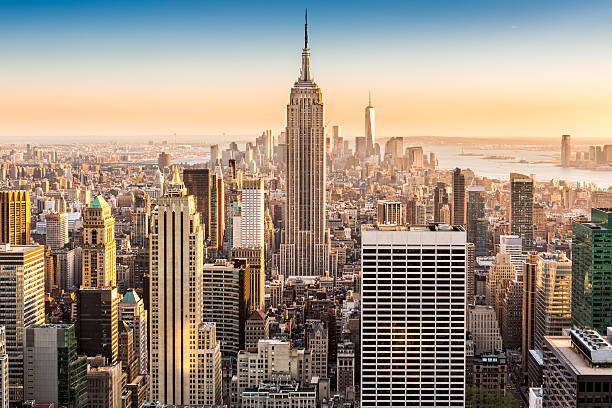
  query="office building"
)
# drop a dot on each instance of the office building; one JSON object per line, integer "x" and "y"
{"x": 99, "y": 246}
{"x": 458, "y": 197}
{"x": 127, "y": 356}
{"x": 4, "y": 370}
{"x": 15, "y": 217}
{"x": 209, "y": 366}
{"x": 490, "y": 372}
{"x": 369, "y": 127}
{"x": 521, "y": 208}
{"x": 530, "y": 274}
{"x": 414, "y": 290}
{"x": 257, "y": 327}
{"x": 566, "y": 150}
{"x": 22, "y": 304}
{"x": 199, "y": 184}
{"x": 484, "y": 329}
{"x": 577, "y": 370}
{"x": 53, "y": 372}
{"x": 105, "y": 384}
{"x": 553, "y": 287}
{"x": 592, "y": 271}
{"x": 97, "y": 323}
{"x": 304, "y": 251}
{"x": 57, "y": 230}
{"x": 133, "y": 313}
{"x": 217, "y": 207}
{"x": 389, "y": 212}
{"x": 248, "y": 227}
{"x": 252, "y": 262}
{"x": 176, "y": 296}
{"x": 475, "y": 215}
{"x": 317, "y": 345}
{"x": 163, "y": 160}
{"x": 501, "y": 269}
{"x": 509, "y": 310}
{"x": 513, "y": 246}
{"x": 345, "y": 367}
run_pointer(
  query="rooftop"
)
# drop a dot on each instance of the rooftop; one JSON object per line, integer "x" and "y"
{"x": 562, "y": 347}
{"x": 99, "y": 202}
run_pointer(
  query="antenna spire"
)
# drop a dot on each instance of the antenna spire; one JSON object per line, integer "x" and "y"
{"x": 306, "y": 29}
{"x": 369, "y": 98}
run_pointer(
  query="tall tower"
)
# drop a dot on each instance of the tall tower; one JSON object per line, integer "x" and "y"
{"x": 304, "y": 250}
{"x": 521, "y": 206}
{"x": 369, "y": 127}
{"x": 57, "y": 230}
{"x": 4, "y": 370}
{"x": 566, "y": 150}
{"x": 15, "y": 217}
{"x": 199, "y": 185}
{"x": 176, "y": 296}
{"x": 99, "y": 247}
{"x": 248, "y": 228}
{"x": 458, "y": 197}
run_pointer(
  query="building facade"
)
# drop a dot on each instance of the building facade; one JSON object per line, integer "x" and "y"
{"x": 99, "y": 246}
{"x": 15, "y": 217}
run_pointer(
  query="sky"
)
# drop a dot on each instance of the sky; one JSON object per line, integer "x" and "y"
{"x": 208, "y": 70}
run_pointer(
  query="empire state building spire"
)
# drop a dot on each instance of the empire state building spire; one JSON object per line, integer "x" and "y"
{"x": 305, "y": 74}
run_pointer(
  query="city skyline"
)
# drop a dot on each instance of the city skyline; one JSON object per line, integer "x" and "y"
{"x": 480, "y": 70}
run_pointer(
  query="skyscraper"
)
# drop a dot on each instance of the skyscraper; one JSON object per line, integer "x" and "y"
{"x": 22, "y": 303}
{"x": 217, "y": 207}
{"x": 521, "y": 208}
{"x": 304, "y": 250}
{"x": 97, "y": 323}
{"x": 458, "y": 197}
{"x": 15, "y": 217}
{"x": 57, "y": 230}
{"x": 176, "y": 296}
{"x": 99, "y": 246}
{"x": 134, "y": 314}
{"x": 199, "y": 184}
{"x": 389, "y": 212}
{"x": 475, "y": 213}
{"x": 52, "y": 370}
{"x": 369, "y": 127}
{"x": 413, "y": 328}
{"x": 248, "y": 227}
{"x": 592, "y": 271}
{"x": 566, "y": 150}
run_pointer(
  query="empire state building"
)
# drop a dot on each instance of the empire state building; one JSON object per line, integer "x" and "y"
{"x": 305, "y": 250}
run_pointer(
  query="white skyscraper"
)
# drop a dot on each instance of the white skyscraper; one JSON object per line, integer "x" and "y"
{"x": 22, "y": 303}
{"x": 176, "y": 296}
{"x": 134, "y": 314}
{"x": 413, "y": 325}
{"x": 513, "y": 246}
{"x": 369, "y": 127}
{"x": 57, "y": 230}
{"x": 249, "y": 225}
{"x": 304, "y": 250}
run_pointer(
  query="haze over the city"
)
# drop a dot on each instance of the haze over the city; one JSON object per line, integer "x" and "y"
{"x": 94, "y": 71}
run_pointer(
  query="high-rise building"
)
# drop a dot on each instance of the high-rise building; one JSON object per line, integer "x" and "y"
{"x": 217, "y": 207}
{"x": 566, "y": 150}
{"x": 57, "y": 230}
{"x": 530, "y": 274}
{"x": 369, "y": 127}
{"x": 592, "y": 271}
{"x": 389, "y": 212}
{"x": 470, "y": 264}
{"x": 338, "y": 141}
{"x": 476, "y": 212}
{"x": 513, "y": 246}
{"x": 105, "y": 384}
{"x": 251, "y": 260}
{"x": 97, "y": 323}
{"x": 133, "y": 313}
{"x": 553, "y": 288}
{"x": 15, "y": 217}
{"x": 304, "y": 250}
{"x": 127, "y": 356}
{"x": 458, "y": 197}
{"x": 509, "y": 309}
{"x": 413, "y": 282}
{"x": 345, "y": 374}
{"x": 176, "y": 296}
{"x": 577, "y": 370}
{"x": 53, "y": 372}
{"x": 163, "y": 160}
{"x": 248, "y": 227}
{"x": 4, "y": 370}
{"x": 521, "y": 208}
{"x": 257, "y": 327}
{"x": 99, "y": 246}
{"x": 485, "y": 331}
{"x": 501, "y": 269}
{"x": 209, "y": 366}
{"x": 22, "y": 303}
{"x": 440, "y": 200}
{"x": 199, "y": 185}
{"x": 317, "y": 344}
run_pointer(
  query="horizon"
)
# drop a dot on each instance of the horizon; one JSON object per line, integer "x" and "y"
{"x": 108, "y": 70}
